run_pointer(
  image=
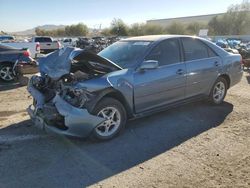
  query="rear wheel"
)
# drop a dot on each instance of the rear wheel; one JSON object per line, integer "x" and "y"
{"x": 219, "y": 91}
{"x": 6, "y": 73}
{"x": 115, "y": 119}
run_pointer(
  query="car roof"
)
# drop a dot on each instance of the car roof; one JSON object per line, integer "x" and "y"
{"x": 155, "y": 37}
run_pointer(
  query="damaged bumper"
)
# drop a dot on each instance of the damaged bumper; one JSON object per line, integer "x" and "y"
{"x": 77, "y": 122}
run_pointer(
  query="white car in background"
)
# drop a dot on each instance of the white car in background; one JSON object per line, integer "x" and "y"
{"x": 47, "y": 44}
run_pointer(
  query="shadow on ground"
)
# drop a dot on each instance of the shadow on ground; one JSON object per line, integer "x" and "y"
{"x": 61, "y": 162}
{"x": 8, "y": 85}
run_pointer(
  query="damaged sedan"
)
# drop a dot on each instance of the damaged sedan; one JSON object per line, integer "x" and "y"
{"x": 79, "y": 93}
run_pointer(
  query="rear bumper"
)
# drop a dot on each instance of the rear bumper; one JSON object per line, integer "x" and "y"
{"x": 236, "y": 78}
{"x": 78, "y": 122}
{"x": 46, "y": 51}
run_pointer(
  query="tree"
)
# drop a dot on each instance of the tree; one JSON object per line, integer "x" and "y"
{"x": 176, "y": 28}
{"x": 60, "y": 32}
{"x": 235, "y": 21}
{"x": 151, "y": 29}
{"x": 136, "y": 29}
{"x": 239, "y": 17}
{"x": 118, "y": 27}
{"x": 194, "y": 28}
{"x": 39, "y": 32}
{"x": 70, "y": 30}
{"x": 106, "y": 32}
{"x": 76, "y": 30}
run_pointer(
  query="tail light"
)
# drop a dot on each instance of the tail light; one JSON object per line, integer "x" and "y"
{"x": 58, "y": 44}
{"x": 38, "y": 46}
{"x": 26, "y": 53}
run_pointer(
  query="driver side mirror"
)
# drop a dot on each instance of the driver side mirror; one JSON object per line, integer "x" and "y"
{"x": 149, "y": 64}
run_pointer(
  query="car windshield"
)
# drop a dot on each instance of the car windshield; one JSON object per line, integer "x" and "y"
{"x": 125, "y": 53}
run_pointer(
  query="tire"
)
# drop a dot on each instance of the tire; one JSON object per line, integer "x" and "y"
{"x": 116, "y": 116}
{"x": 218, "y": 91}
{"x": 6, "y": 73}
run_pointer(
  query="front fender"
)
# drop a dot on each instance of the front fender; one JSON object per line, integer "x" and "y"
{"x": 119, "y": 82}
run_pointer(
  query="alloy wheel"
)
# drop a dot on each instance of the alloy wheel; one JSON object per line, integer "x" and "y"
{"x": 219, "y": 91}
{"x": 6, "y": 73}
{"x": 112, "y": 122}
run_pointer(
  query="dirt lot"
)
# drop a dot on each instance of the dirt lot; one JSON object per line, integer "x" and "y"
{"x": 196, "y": 145}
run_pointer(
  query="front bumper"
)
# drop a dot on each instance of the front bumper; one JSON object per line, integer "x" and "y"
{"x": 79, "y": 122}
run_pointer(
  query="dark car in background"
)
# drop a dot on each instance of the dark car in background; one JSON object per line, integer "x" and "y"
{"x": 81, "y": 93}
{"x": 6, "y": 38}
{"x": 15, "y": 62}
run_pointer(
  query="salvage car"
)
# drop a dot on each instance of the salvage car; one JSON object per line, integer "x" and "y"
{"x": 15, "y": 62}
{"x": 82, "y": 94}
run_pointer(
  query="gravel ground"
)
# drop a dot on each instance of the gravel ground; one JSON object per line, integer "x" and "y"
{"x": 196, "y": 145}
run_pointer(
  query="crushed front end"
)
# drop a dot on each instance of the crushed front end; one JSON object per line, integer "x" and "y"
{"x": 54, "y": 111}
{"x": 58, "y": 105}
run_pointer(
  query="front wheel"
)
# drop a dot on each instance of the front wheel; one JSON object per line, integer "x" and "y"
{"x": 115, "y": 119}
{"x": 218, "y": 91}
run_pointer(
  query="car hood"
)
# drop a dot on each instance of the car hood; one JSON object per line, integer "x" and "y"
{"x": 58, "y": 63}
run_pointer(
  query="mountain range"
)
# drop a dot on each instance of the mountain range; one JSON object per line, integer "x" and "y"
{"x": 32, "y": 31}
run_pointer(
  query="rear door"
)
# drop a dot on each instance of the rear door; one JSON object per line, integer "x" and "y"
{"x": 203, "y": 66}
{"x": 163, "y": 85}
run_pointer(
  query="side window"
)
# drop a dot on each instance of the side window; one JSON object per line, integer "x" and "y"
{"x": 166, "y": 53}
{"x": 194, "y": 49}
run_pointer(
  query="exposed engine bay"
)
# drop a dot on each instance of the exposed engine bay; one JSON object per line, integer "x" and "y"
{"x": 64, "y": 87}
{"x": 62, "y": 70}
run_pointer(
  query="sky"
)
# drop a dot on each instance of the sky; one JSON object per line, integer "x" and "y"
{"x": 19, "y": 15}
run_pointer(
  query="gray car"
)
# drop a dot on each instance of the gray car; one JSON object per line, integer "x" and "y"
{"x": 79, "y": 93}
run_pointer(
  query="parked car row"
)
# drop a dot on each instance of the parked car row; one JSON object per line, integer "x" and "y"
{"x": 95, "y": 44}
{"x": 37, "y": 45}
{"x": 80, "y": 93}
{"x": 16, "y": 58}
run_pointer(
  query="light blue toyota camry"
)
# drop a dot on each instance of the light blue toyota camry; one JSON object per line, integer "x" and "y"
{"x": 82, "y": 94}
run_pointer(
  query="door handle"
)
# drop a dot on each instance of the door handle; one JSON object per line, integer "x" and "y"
{"x": 216, "y": 63}
{"x": 180, "y": 71}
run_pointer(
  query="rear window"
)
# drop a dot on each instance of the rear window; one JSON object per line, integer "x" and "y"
{"x": 43, "y": 39}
